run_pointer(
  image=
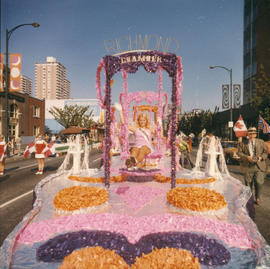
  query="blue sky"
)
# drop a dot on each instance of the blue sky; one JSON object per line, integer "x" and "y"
{"x": 209, "y": 32}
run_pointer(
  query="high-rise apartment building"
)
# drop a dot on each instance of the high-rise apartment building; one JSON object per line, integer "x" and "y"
{"x": 51, "y": 81}
{"x": 26, "y": 84}
{"x": 256, "y": 44}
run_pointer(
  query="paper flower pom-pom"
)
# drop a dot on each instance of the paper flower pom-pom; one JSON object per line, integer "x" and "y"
{"x": 167, "y": 258}
{"x": 196, "y": 199}
{"x": 93, "y": 258}
{"x": 78, "y": 197}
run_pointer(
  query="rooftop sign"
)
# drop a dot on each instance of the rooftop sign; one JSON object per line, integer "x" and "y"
{"x": 140, "y": 42}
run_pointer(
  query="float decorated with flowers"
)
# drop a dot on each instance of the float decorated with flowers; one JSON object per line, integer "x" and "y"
{"x": 134, "y": 213}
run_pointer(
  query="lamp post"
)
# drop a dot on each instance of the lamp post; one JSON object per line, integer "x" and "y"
{"x": 231, "y": 112}
{"x": 8, "y": 34}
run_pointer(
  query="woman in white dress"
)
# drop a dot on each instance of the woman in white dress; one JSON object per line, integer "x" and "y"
{"x": 40, "y": 146}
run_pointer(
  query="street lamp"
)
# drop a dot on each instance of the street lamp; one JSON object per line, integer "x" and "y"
{"x": 8, "y": 34}
{"x": 231, "y": 112}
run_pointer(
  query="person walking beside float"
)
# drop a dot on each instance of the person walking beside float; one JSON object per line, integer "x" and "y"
{"x": 41, "y": 149}
{"x": 40, "y": 146}
{"x": 3, "y": 149}
{"x": 253, "y": 155}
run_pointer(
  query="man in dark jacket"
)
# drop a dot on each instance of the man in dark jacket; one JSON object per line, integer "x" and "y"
{"x": 253, "y": 156}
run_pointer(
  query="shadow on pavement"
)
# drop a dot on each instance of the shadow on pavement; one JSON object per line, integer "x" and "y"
{"x": 12, "y": 169}
{"x": 4, "y": 178}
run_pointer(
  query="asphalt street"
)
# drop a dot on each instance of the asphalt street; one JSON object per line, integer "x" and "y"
{"x": 17, "y": 185}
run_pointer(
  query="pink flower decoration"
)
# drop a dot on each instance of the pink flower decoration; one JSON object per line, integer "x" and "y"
{"x": 138, "y": 196}
{"x": 136, "y": 227}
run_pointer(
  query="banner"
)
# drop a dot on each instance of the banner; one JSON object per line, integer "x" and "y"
{"x": 240, "y": 128}
{"x": 1, "y": 72}
{"x": 263, "y": 125}
{"x": 236, "y": 95}
{"x": 225, "y": 96}
{"x": 15, "y": 72}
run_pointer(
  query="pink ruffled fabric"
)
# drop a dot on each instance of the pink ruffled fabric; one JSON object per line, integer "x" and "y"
{"x": 136, "y": 227}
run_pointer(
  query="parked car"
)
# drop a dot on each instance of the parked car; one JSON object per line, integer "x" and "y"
{"x": 230, "y": 152}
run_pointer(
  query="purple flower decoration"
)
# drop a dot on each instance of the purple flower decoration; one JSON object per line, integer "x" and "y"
{"x": 209, "y": 251}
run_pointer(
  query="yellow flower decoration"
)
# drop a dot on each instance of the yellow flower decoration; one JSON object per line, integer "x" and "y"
{"x": 196, "y": 199}
{"x": 168, "y": 258}
{"x": 162, "y": 179}
{"x": 78, "y": 197}
{"x": 93, "y": 258}
{"x": 119, "y": 178}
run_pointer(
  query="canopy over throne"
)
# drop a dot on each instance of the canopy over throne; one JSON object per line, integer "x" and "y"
{"x": 129, "y": 62}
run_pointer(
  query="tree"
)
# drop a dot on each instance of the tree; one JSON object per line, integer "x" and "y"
{"x": 261, "y": 100}
{"x": 48, "y": 130}
{"x": 73, "y": 115}
{"x": 196, "y": 122}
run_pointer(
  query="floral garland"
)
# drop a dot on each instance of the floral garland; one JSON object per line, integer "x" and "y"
{"x": 98, "y": 84}
{"x": 167, "y": 258}
{"x": 119, "y": 178}
{"x": 93, "y": 258}
{"x": 179, "y": 77}
{"x": 163, "y": 179}
{"x": 78, "y": 197}
{"x": 196, "y": 199}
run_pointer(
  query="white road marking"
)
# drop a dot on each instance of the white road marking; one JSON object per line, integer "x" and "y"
{"x": 20, "y": 168}
{"x": 15, "y": 199}
{"x": 98, "y": 159}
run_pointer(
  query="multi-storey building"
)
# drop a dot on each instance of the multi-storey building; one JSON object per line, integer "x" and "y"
{"x": 26, "y": 84}
{"x": 26, "y": 115}
{"x": 51, "y": 81}
{"x": 256, "y": 44}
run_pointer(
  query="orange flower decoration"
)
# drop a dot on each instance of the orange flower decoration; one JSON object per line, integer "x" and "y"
{"x": 167, "y": 258}
{"x": 196, "y": 199}
{"x": 119, "y": 178}
{"x": 78, "y": 197}
{"x": 162, "y": 179}
{"x": 93, "y": 258}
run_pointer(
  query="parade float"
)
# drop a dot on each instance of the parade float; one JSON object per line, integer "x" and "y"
{"x": 145, "y": 217}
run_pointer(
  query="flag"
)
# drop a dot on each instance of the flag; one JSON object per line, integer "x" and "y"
{"x": 236, "y": 95}
{"x": 1, "y": 72}
{"x": 29, "y": 149}
{"x": 49, "y": 150}
{"x": 3, "y": 151}
{"x": 240, "y": 128}
{"x": 263, "y": 125}
{"x": 225, "y": 96}
{"x": 15, "y": 72}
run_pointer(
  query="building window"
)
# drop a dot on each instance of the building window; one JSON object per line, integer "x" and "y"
{"x": 247, "y": 21}
{"x": 36, "y": 130}
{"x": 13, "y": 111}
{"x": 12, "y": 130}
{"x": 254, "y": 68}
{"x": 36, "y": 111}
{"x": 247, "y": 72}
